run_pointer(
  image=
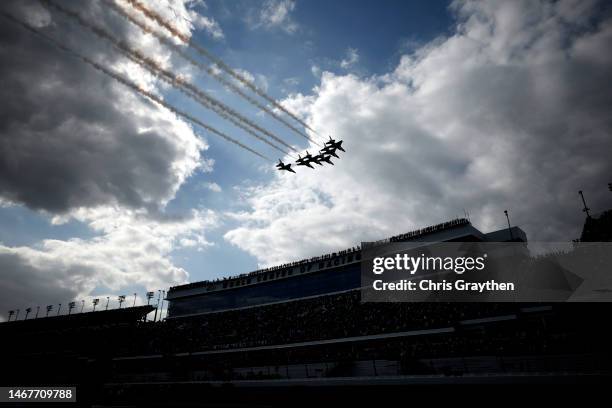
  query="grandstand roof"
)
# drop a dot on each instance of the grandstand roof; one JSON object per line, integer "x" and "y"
{"x": 99, "y": 318}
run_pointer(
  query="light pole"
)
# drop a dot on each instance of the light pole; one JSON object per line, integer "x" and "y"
{"x": 157, "y": 305}
{"x": 28, "y": 310}
{"x": 121, "y": 300}
{"x": 161, "y": 308}
{"x": 37, "y": 310}
{"x": 49, "y": 309}
{"x": 95, "y": 303}
{"x": 107, "y": 300}
{"x": 509, "y": 228}
{"x": 11, "y": 313}
{"x": 585, "y": 209}
{"x": 134, "y": 305}
{"x": 71, "y": 306}
{"x": 59, "y": 309}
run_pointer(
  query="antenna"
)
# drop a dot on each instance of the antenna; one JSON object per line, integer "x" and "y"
{"x": 585, "y": 209}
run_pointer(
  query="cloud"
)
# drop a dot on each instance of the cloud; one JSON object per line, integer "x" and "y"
{"x": 72, "y": 137}
{"x": 212, "y": 186}
{"x": 259, "y": 80}
{"x": 276, "y": 14}
{"x": 185, "y": 17}
{"x": 130, "y": 248}
{"x": 315, "y": 70}
{"x": 511, "y": 111}
{"x": 208, "y": 24}
{"x": 75, "y": 145}
{"x": 352, "y": 57}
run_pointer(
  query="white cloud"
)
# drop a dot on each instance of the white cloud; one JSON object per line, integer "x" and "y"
{"x": 509, "y": 112}
{"x": 196, "y": 3}
{"x": 103, "y": 145}
{"x": 276, "y": 14}
{"x": 185, "y": 18}
{"x": 212, "y": 186}
{"x": 259, "y": 80}
{"x": 352, "y": 57}
{"x": 130, "y": 248}
{"x": 104, "y": 157}
{"x": 208, "y": 24}
{"x": 315, "y": 70}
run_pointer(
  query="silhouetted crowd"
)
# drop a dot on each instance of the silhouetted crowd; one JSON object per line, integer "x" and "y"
{"x": 517, "y": 337}
{"x": 322, "y": 318}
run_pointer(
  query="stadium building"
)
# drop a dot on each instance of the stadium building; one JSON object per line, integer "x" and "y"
{"x": 326, "y": 274}
{"x": 299, "y": 332}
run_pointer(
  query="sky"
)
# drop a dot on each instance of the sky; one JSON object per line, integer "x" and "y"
{"x": 444, "y": 108}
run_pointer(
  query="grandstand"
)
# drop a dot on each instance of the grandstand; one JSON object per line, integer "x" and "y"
{"x": 597, "y": 228}
{"x": 334, "y": 272}
{"x": 299, "y": 330}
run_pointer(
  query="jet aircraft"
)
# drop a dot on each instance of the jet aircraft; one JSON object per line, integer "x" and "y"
{"x": 283, "y": 166}
{"x": 326, "y": 158}
{"x": 312, "y": 159}
{"x": 303, "y": 161}
{"x": 329, "y": 151}
{"x": 336, "y": 145}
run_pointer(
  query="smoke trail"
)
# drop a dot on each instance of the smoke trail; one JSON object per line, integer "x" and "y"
{"x": 219, "y": 77}
{"x": 188, "y": 89}
{"x": 152, "y": 15}
{"x": 132, "y": 85}
{"x": 163, "y": 74}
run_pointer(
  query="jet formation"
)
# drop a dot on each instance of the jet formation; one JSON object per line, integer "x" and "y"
{"x": 324, "y": 156}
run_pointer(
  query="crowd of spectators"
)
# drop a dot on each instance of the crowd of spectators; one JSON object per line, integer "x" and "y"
{"x": 288, "y": 267}
{"x": 559, "y": 338}
{"x": 334, "y": 316}
{"x": 510, "y": 331}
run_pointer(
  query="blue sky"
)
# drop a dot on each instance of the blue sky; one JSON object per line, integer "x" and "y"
{"x": 380, "y": 32}
{"x": 325, "y": 31}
